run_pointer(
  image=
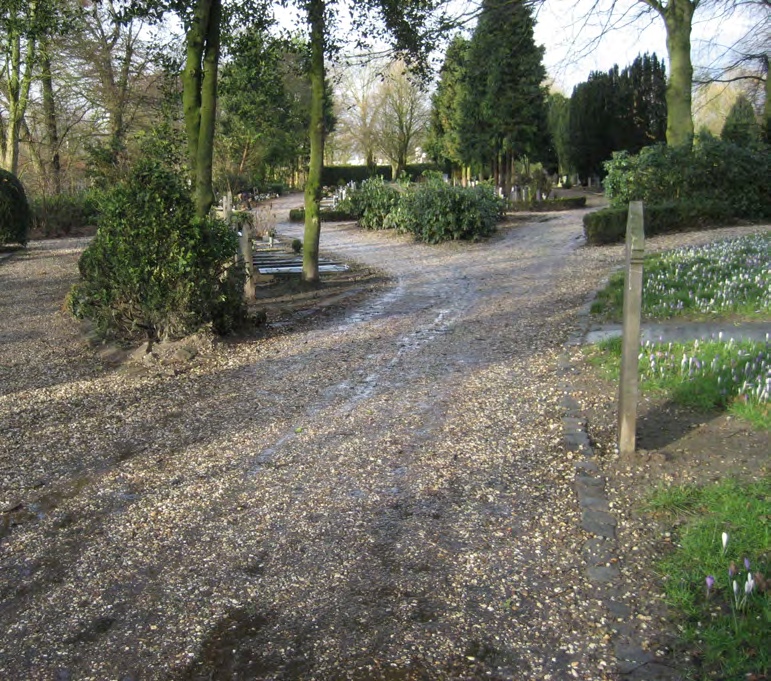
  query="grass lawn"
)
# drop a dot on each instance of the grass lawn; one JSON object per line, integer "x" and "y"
{"x": 717, "y": 578}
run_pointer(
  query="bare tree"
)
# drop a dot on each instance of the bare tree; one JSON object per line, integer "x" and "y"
{"x": 358, "y": 110}
{"x": 403, "y": 117}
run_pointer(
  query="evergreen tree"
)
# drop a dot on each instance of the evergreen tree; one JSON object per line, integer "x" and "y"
{"x": 616, "y": 111}
{"x": 503, "y": 108}
{"x": 741, "y": 125}
{"x": 559, "y": 128}
{"x": 443, "y": 143}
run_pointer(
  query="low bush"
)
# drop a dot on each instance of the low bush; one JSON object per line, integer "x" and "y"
{"x": 298, "y": 215}
{"x": 371, "y": 202}
{"x": 712, "y": 171}
{"x": 548, "y": 205}
{"x": 61, "y": 213}
{"x": 154, "y": 270}
{"x": 434, "y": 211}
{"x": 608, "y": 225}
{"x": 15, "y": 214}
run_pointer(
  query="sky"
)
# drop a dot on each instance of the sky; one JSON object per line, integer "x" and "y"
{"x": 572, "y": 53}
{"x": 569, "y": 32}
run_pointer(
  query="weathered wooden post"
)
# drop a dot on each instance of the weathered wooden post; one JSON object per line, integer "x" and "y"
{"x": 248, "y": 259}
{"x": 630, "y": 348}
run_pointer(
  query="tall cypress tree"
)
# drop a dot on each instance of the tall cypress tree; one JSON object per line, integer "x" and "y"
{"x": 504, "y": 107}
{"x": 444, "y": 135}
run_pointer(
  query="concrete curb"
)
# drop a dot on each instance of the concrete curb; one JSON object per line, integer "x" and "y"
{"x": 600, "y": 551}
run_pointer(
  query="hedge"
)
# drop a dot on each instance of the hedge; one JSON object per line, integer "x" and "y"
{"x": 335, "y": 175}
{"x": 549, "y": 205}
{"x": 298, "y": 215}
{"x": 608, "y": 225}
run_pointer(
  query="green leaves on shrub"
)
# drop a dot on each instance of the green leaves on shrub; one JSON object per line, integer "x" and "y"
{"x": 712, "y": 170}
{"x": 15, "y": 215}
{"x": 154, "y": 270}
{"x": 372, "y": 201}
{"x": 433, "y": 210}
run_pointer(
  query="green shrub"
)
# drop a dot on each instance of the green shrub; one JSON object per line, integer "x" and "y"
{"x": 548, "y": 205}
{"x": 297, "y": 245}
{"x": 608, "y": 225}
{"x": 434, "y": 211}
{"x": 15, "y": 215}
{"x": 298, "y": 215}
{"x": 371, "y": 201}
{"x": 154, "y": 270}
{"x": 712, "y": 171}
{"x": 61, "y": 213}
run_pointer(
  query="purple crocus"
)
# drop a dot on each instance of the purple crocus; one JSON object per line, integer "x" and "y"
{"x": 747, "y": 564}
{"x": 710, "y": 583}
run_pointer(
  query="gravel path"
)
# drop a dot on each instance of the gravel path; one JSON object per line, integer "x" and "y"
{"x": 380, "y": 496}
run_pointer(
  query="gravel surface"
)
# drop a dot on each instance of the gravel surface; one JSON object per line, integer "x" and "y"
{"x": 382, "y": 495}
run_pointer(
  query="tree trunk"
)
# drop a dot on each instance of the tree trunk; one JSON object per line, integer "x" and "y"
{"x": 18, "y": 89}
{"x": 678, "y": 16}
{"x": 316, "y": 132}
{"x": 49, "y": 113}
{"x": 192, "y": 77}
{"x": 204, "y": 192}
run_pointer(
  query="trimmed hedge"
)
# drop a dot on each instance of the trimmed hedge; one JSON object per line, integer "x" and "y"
{"x": 608, "y": 225}
{"x": 15, "y": 214}
{"x": 298, "y": 215}
{"x": 335, "y": 175}
{"x": 549, "y": 205}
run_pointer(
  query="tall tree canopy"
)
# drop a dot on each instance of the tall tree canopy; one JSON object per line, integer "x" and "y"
{"x": 503, "y": 108}
{"x": 444, "y": 135}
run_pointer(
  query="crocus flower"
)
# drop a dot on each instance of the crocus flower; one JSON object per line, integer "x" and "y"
{"x": 710, "y": 583}
{"x": 750, "y": 585}
{"x": 747, "y": 563}
{"x": 725, "y": 540}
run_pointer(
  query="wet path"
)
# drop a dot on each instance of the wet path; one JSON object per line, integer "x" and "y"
{"x": 380, "y": 496}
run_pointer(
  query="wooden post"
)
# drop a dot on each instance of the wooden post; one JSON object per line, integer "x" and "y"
{"x": 630, "y": 348}
{"x": 248, "y": 259}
